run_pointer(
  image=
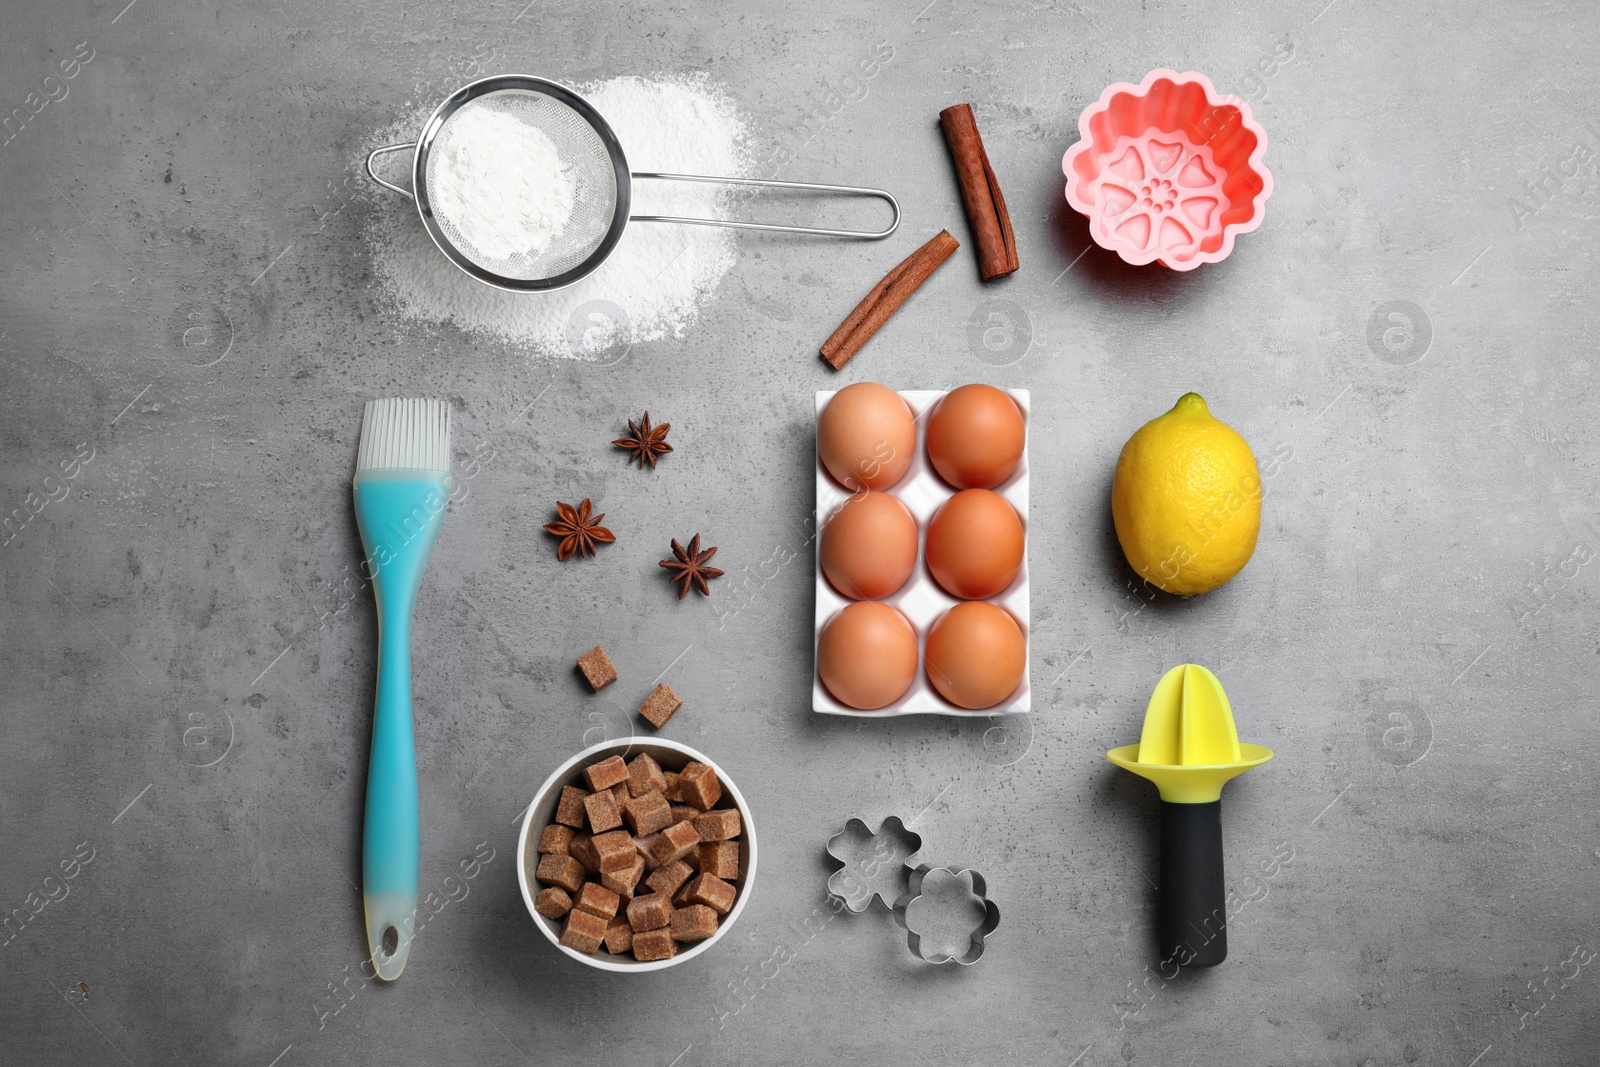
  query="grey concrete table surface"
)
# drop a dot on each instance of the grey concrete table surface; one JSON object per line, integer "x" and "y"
{"x": 188, "y": 324}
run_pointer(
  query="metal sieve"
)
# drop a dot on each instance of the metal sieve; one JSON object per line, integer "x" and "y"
{"x": 593, "y": 159}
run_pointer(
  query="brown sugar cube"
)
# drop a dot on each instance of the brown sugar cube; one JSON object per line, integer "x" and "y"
{"x": 720, "y": 825}
{"x": 645, "y": 775}
{"x": 713, "y": 892}
{"x": 602, "y": 810}
{"x": 552, "y": 902}
{"x": 654, "y": 945}
{"x": 569, "y": 811}
{"x": 619, "y": 936}
{"x": 648, "y": 813}
{"x": 659, "y": 706}
{"x": 643, "y": 846}
{"x": 669, "y": 879}
{"x": 555, "y": 839}
{"x": 597, "y": 668}
{"x": 614, "y": 851}
{"x": 674, "y": 843}
{"x": 684, "y": 813}
{"x": 720, "y": 858}
{"x": 694, "y": 923}
{"x": 680, "y": 899}
{"x": 623, "y": 882}
{"x": 650, "y": 912}
{"x": 563, "y": 871}
{"x": 619, "y": 794}
{"x": 699, "y": 786}
{"x": 596, "y": 899}
{"x": 670, "y": 790}
{"x": 584, "y": 932}
{"x": 605, "y": 774}
{"x": 581, "y": 848}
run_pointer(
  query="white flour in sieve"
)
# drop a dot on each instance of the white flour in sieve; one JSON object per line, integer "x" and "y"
{"x": 500, "y": 184}
{"x": 656, "y": 279}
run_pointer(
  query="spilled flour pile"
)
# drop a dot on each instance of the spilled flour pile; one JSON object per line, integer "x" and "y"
{"x": 655, "y": 280}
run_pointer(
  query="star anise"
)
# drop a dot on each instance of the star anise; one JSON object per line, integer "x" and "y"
{"x": 646, "y": 443}
{"x": 578, "y": 530}
{"x": 690, "y": 566}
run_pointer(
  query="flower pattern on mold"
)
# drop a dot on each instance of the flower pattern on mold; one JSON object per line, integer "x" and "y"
{"x": 1159, "y": 194}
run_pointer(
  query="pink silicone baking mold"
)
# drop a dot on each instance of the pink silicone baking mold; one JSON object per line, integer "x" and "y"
{"x": 1167, "y": 171}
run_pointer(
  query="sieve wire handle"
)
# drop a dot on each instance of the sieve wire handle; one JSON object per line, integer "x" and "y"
{"x": 373, "y": 174}
{"x": 850, "y": 190}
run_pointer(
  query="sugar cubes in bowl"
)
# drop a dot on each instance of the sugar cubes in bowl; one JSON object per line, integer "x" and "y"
{"x": 922, "y": 568}
{"x": 658, "y": 888}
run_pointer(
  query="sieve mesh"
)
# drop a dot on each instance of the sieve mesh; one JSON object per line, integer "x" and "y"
{"x": 585, "y": 160}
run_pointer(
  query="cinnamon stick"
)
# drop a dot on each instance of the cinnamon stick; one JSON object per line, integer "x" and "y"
{"x": 885, "y": 299}
{"x": 980, "y": 193}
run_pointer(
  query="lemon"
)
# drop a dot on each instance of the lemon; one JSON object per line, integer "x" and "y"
{"x": 1186, "y": 500}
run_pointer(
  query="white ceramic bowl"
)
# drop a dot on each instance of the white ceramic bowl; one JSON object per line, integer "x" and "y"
{"x": 672, "y": 757}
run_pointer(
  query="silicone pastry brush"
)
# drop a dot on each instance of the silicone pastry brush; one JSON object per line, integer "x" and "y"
{"x": 1190, "y": 748}
{"x": 401, "y": 490}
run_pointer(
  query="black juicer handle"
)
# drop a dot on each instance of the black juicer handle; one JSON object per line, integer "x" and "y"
{"x": 1193, "y": 914}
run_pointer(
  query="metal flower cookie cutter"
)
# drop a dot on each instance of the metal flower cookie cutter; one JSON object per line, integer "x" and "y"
{"x": 923, "y": 899}
{"x": 959, "y": 894}
{"x": 876, "y": 863}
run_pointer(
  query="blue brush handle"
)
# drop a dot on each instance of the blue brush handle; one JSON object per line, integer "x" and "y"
{"x": 399, "y": 513}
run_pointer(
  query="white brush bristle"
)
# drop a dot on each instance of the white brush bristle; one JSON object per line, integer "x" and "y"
{"x": 405, "y": 433}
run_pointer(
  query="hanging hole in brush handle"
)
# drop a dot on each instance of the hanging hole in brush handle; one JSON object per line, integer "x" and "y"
{"x": 1192, "y": 906}
{"x": 373, "y": 173}
{"x": 847, "y": 190}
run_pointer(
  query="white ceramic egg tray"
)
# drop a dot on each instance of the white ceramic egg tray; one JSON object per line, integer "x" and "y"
{"x": 922, "y": 599}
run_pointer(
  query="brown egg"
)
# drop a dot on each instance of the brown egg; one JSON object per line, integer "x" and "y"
{"x": 975, "y": 544}
{"x": 976, "y": 655}
{"x": 975, "y": 437}
{"x": 869, "y": 546}
{"x": 866, "y": 436}
{"x": 867, "y": 655}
